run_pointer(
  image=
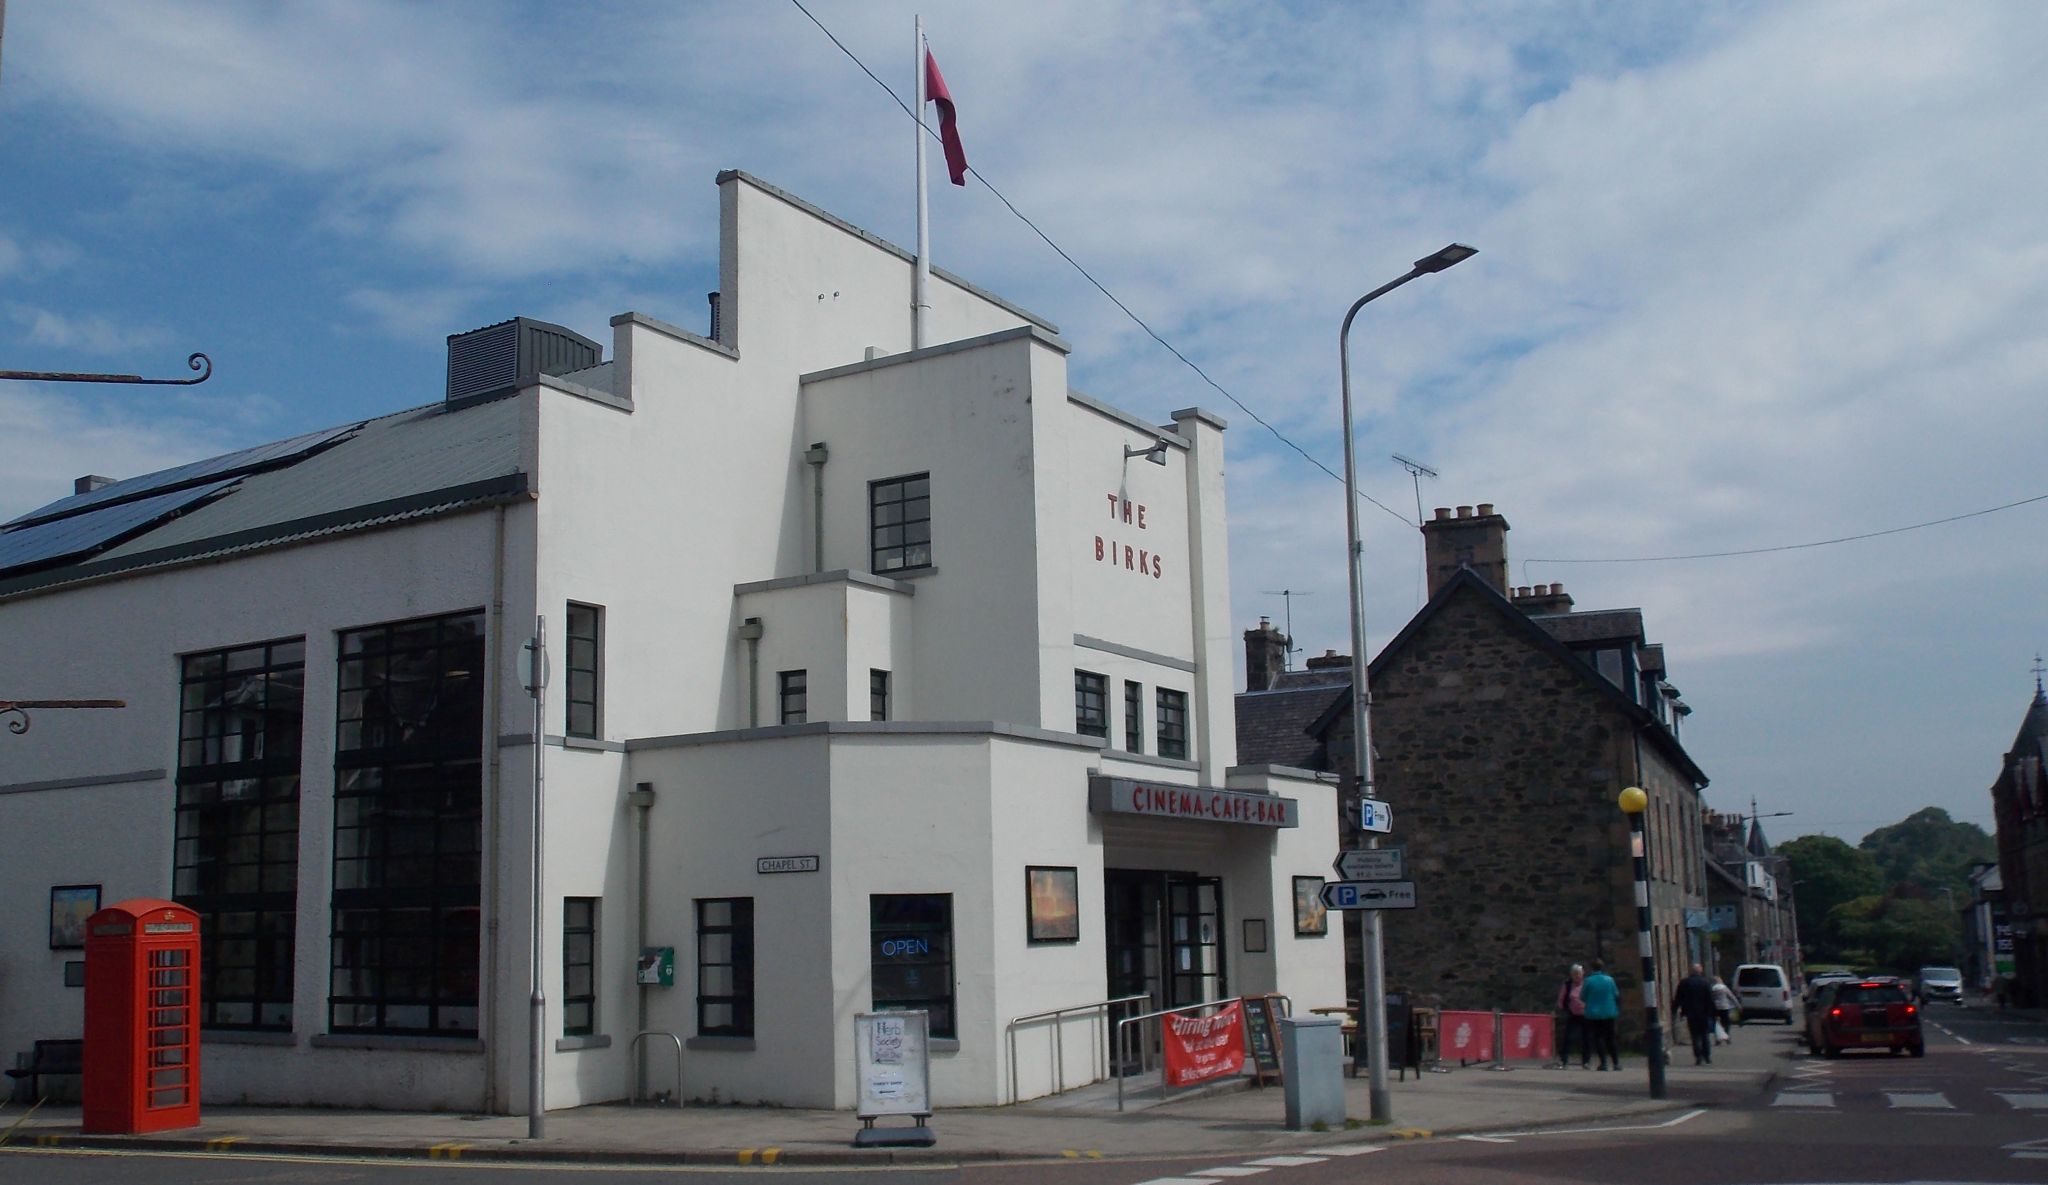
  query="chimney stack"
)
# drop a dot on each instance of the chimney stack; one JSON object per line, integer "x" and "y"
{"x": 1478, "y": 541}
{"x": 1329, "y": 660}
{"x": 1540, "y": 599}
{"x": 1265, "y": 656}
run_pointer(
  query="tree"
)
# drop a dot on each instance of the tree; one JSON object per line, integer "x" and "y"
{"x": 1894, "y": 933}
{"x": 1827, "y": 873}
{"x": 1931, "y": 851}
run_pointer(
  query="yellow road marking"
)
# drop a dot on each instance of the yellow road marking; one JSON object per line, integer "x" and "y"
{"x": 1411, "y": 1133}
{"x": 223, "y": 1143}
{"x": 446, "y": 1151}
{"x": 1088, "y": 1153}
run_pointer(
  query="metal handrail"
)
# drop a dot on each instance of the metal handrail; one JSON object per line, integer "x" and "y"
{"x": 639, "y": 1066}
{"x": 1122, "y": 1044}
{"x": 1059, "y": 1049}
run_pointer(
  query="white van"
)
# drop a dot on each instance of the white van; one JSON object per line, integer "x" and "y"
{"x": 1764, "y": 990}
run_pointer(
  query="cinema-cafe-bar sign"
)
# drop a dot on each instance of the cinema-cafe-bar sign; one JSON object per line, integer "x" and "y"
{"x": 1202, "y": 804}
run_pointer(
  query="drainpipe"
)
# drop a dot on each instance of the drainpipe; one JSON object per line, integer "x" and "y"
{"x": 494, "y": 678}
{"x": 816, "y": 456}
{"x": 641, "y": 797}
{"x": 750, "y": 631}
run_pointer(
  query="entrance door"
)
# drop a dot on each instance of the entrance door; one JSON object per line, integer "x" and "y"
{"x": 1163, "y": 935}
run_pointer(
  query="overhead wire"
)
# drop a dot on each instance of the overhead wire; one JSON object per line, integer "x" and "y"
{"x": 1089, "y": 276}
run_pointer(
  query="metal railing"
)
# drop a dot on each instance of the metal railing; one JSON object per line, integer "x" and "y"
{"x": 1123, "y": 1049}
{"x": 1059, "y": 1039}
{"x": 640, "y": 1066}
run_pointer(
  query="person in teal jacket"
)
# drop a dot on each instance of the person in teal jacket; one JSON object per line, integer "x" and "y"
{"x": 1603, "y": 1003}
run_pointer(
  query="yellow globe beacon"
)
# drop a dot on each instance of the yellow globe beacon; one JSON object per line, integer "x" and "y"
{"x": 1633, "y": 800}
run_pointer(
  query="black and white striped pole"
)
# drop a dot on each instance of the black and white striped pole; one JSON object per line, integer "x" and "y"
{"x": 1633, "y": 802}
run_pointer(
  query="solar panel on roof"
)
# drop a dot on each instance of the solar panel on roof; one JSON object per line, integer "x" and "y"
{"x": 261, "y": 456}
{"x": 91, "y": 530}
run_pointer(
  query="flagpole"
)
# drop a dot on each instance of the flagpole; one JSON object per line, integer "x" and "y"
{"x": 920, "y": 275}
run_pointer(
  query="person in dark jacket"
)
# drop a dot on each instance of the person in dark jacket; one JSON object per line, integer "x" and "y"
{"x": 1694, "y": 1000}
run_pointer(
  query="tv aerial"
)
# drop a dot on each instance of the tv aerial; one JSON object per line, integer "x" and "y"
{"x": 1417, "y": 471}
{"x": 1287, "y": 595}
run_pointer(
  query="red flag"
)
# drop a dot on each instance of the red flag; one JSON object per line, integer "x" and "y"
{"x": 949, "y": 131}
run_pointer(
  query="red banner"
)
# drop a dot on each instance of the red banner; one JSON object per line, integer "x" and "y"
{"x": 1467, "y": 1036}
{"x": 1199, "y": 1048}
{"x": 1526, "y": 1036}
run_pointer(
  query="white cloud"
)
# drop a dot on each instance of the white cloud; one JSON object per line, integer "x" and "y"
{"x": 91, "y": 334}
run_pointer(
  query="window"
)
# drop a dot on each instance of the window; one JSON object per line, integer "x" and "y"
{"x": 1134, "y": 716}
{"x": 911, "y": 950}
{"x": 408, "y": 827}
{"x": 900, "y": 523}
{"x": 878, "y": 695}
{"x": 1091, "y": 704}
{"x": 236, "y": 859}
{"x": 586, "y": 669}
{"x": 1173, "y": 723}
{"x": 791, "y": 695}
{"x": 725, "y": 967}
{"x": 579, "y": 966}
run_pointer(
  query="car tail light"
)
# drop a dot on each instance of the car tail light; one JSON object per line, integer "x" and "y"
{"x": 1835, "y": 1013}
{"x": 1910, "y": 1009}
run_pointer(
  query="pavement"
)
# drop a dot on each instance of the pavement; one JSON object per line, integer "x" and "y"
{"x": 1083, "y": 1124}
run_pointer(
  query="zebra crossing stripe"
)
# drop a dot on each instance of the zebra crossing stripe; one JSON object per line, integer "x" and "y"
{"x": 1804, "y": 1098}
{"x": 1919, "y": 1098}
{"x": 2024, "y": 1101}
{"x": 1285, "y": 1162}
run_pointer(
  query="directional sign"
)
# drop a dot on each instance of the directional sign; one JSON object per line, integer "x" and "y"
{"x": 1372, "y": 864}
{"x": 1369, "y": 894}
{"x": 1374, "y": 815}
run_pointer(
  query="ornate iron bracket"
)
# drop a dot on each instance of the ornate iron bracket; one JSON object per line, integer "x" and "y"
{"x": 198, "y": 362}
{"x": 15, "y": 711}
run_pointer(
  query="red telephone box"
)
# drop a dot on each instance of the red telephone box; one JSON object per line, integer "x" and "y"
{"x": 141, "y": 1018}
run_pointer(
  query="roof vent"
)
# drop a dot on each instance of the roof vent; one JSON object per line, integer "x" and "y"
{"x": 499, "y": 359}
{"x": 89, "y": 483}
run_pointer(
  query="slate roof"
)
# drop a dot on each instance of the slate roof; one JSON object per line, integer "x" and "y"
{"x": 411, "y": 464}
{"x": 1273, "y": 725}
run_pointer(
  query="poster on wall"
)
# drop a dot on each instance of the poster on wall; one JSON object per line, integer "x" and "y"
{"x": 70, "y": 905}
{"x": 1199, "y": 1048}
{"x": 1052, "y": 900}
{"x": 1310, "y": 917}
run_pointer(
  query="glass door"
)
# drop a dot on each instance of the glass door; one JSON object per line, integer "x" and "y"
{"x": 1194, "y": 906}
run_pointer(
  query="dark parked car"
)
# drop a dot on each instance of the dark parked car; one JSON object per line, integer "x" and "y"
{"x": 1864, "y": 1014}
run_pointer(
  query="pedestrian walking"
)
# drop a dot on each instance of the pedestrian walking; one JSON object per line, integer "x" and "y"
{"x": 1571, "y": 1006}
{"x": 1725, "y": 1005}
{"x": 1694, "y": 1000}
{"x": 1602, "y": 1003}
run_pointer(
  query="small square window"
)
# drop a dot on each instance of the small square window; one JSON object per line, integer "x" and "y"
{"x": 1134, "y": 716}
{"x": 878, "y": 695}
{"x": 1091, "y": 704}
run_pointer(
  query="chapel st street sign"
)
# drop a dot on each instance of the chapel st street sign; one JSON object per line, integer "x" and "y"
{"x": 1369, "y": 894}
{"x": 1372, "y": 864}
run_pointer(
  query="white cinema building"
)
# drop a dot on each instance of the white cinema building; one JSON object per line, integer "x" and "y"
{"x": 849, "y": 643}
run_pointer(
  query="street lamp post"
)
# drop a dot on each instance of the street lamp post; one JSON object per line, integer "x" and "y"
{"x": 1373, "y": 1004}
{"x": 1632, "y": 802}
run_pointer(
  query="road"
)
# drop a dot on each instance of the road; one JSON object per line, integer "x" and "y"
{"x": 1975, "y": 1109}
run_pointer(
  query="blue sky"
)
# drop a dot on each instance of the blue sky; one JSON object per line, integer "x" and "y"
{"x": 1750, "y": 275}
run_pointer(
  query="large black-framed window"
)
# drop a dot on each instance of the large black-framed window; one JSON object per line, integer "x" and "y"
{"x": 910, "y": 946}
{"x": 408, "y": 796}
{"x": 725, "y": 967}
{"x": 579, "y": 966}
{"x": 1091, "y": 704}
{"x": 1134, "y": 717}
{"x": 236, "y": 857}
{"x": 878, "y": 694}
{"x": 900, "y": 523}
{"x": 585, "y": 695}
{"x": 1173, "y": 723}
{"x": 792, "y": 696}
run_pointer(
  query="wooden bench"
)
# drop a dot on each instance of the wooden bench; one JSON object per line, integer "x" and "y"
{"x": 58, "y": 1056}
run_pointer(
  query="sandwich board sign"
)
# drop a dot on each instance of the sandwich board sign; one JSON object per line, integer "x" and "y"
{"x": 892, "y": 1070}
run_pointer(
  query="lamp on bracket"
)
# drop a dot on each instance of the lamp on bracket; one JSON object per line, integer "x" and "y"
{"x": 1155, "y": 454}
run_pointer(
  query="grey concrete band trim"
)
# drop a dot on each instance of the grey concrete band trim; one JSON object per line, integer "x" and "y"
{"x": 857, "y": 728}
{"x": 133, "y": 776}
{"x": 509, "y": 487}
{"x": 242, "y": 1037}
{"x": 1109, "y": 754}
{"x": 1107, "y": 647}
{"x": 1083, "y": 399}
{"x": 1202, "y": 416}
{"x": 877, "y": 240}
{"x": 588, "y": 744}
{"x": 997, "y": 338}
{"x": 604, "y": 398}
{"x": 591, "y": 1041}
{"x": 514, "y": 740}
{"x": 380, "y": 1041}
{"x": 728, "y": 1044}
{"x": 1294, "y": 772}
{"x": 677, "y": 332}
{"x": 837, "y": 576}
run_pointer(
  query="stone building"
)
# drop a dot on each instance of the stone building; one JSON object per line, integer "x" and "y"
{"x": 1749, "y": 897}
{"x": 2019, "y": 801}
{"x": 1505, "y": 726}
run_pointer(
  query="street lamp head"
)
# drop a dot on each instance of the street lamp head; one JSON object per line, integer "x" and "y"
{"x": 1633, "y": 800}
{"x": 1453, "y": 254}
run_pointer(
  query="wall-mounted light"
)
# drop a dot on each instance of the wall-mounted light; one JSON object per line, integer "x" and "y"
{"x": 1156, "y": 454}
